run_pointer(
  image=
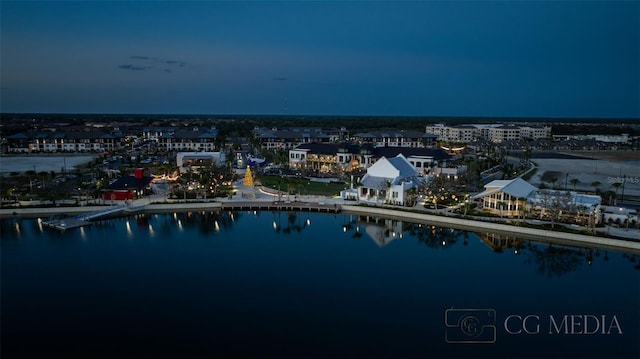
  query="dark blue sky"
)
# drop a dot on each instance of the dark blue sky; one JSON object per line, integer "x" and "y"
{"x": 549, "y": 59}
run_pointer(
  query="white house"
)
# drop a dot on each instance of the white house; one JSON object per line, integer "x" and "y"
{"x": 506, "y": 197}
{"x": 511, "y": 197}
{"x": 388, "y": 180}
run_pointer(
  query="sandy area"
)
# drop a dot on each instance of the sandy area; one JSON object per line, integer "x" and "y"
{"x": 617, "y": 156}
{"x": 611, "y": 167}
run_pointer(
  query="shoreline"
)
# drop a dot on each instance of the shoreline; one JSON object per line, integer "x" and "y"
{"x": 527, "y": 233}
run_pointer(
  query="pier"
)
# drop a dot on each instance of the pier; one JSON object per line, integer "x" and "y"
{"x": 102, "y": 213}
{"x": 66, "y": 223}
{"x": 84, "y": 219}
{"x": 320, "y": 207}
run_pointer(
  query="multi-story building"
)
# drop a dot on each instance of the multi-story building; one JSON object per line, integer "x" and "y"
{"x": 284, "y": 139}
{"x": 321, "y": 157}
{"x": 490, "y": 132}
{"x": 348, "y": 157}
{"x": 504, "y": 133}
{"x": 27, "y": 142}
{"x": 536, "y": 132}
{"x": 155, "y": 133}
{"x": 188, "y": 140}
{"x": 460, "y": 133}
{"x": 402, "y": 138}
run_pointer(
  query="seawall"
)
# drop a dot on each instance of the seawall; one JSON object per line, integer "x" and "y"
{"x": 539, "y": 235}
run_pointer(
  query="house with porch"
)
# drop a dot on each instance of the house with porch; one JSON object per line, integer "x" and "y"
{"x": 389, "y": 180}
{"x": 505, "y": 197}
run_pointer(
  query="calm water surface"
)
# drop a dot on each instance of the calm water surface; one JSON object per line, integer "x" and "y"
{"x": 266, "y": 284}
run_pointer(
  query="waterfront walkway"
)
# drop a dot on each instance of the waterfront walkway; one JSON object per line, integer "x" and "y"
{"x": 265, "y": 199}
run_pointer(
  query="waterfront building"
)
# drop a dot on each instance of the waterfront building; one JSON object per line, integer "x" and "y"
{"x": 505, "y": 197}
{"x": 389, "y": 180}
{"x": 129, "y": 187}
{"x": 512, "y": 198}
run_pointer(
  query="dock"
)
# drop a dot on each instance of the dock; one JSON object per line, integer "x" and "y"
{"x": 319, "y": 207}
{"x": 82, "y": 220}
{"x": 85, "y": 219}
{"x": 66, "y": 223}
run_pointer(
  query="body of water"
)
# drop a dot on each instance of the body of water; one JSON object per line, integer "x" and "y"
{"x": 278, "y": 284}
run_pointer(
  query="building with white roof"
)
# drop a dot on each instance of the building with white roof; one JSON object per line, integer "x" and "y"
{"x": 512, "y": 197}
{"x": 388, "y": 180}
{"x": 505, "y": 197}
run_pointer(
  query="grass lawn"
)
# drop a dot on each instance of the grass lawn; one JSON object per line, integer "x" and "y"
{"x": 301, "y": 186}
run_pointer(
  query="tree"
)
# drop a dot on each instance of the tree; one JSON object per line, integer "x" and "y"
{"x": 553, "y": 181}
{"x": 558, "y": 203}
{"x": 411, "y": 197}
{"x": 522, "y": 203}
{"x": 527, "y": 155}
{"x": 574, "y": 182}
{"x": 595, "y": 185}
{"x": 616, "y": 185}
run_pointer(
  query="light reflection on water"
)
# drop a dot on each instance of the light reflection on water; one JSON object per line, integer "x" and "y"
{"x": 223, "y": 283}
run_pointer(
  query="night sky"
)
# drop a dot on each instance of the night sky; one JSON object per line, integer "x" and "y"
{"x": 533, "y": 59}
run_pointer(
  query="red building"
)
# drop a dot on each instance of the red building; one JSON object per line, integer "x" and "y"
{"x": 129, "y": 187}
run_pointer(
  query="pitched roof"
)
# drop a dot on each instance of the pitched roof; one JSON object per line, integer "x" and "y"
{"x": 402, "y": 165}
{"x": 389, "y": 152}
{"x": 515, "y": 187}
{"x": 374, "y": 182}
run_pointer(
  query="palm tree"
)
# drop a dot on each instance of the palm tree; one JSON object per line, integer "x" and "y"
{"x": 553, "y": 181}
{"x": 616, "y": 185}
{"x": 522, "y": 201}
{"x": 527, "y": 155}
{"x": 595, "y": 185}
{"x": 574, "y": 182}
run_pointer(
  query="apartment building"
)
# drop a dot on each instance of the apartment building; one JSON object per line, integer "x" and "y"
{"x": 413, "y": 139}
{"x": 491, "y": 132}
{"x": 47, "y": 141}
{"x": 284, "y": 139}
{"x": 188, "y": 140}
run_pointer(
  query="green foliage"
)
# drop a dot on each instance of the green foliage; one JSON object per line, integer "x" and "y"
{"x": 302, "y": 186}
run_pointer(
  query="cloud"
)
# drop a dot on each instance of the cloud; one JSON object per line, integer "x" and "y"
{"x": 279, "y": 79}
{"x": 159, "y": 60}
{"x": 175, "y": 62}
{"x": 153, "y": 64}
{"x": 132, "y": 67}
